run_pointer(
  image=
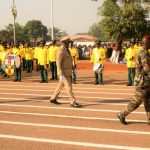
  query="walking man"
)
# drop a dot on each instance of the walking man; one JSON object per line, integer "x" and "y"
{"x": 64, "y": 69}
{"x": 142, "y": 83}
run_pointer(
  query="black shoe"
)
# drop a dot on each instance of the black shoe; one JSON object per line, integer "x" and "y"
{"x": 96, "y": 83}
{"x": 19, "y": 81}
{"x": 5, "y": 75}
{"x": 75, "y": 104}
{"x": 54, "y": 101}
{"x": 122, "y": 119}
{"x": 15, "y": 80}
{"x": 51, "y": 78}
{"x": 129, "y": 84}
{"x": 42, "y": 81}
{"x": 101, "y": 83}
{"x": 74, "y": 82}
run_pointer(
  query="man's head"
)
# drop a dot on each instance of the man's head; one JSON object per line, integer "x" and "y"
{"x": 65, "y": 41}
{"x": 146, "y": 42}
{"x": 132, "y": 42}
{"x": 16, "y": 45}
{"x": 54, "y": 42}
{"x": 97, "y": 44}
{"x": 42, "y": 43}
{"x": 26, "y": 45}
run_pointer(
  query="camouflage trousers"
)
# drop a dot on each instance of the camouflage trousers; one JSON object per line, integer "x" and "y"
{"x": 140, "y": 95}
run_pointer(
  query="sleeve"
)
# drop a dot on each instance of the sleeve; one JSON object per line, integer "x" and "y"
{"x": 126, "y": 55}
{"x": 47, "y": 57}
{"x": 92, "y": 56}
{"x": 60, "y": 58}
{"x": 138, "y": 65}
{"x": 77, "y": 54}
{"x": 103, "y": 54}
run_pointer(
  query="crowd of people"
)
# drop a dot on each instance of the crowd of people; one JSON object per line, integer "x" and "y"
{"x": 42, "y": 56}
{"x": 39, "y": 56}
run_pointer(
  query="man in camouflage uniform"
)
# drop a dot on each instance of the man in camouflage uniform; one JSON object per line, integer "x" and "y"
{"x": 142, "y": 83}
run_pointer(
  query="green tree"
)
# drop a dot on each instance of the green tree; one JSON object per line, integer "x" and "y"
{"x": 34, "y": 29}
{"x": 123, "y": 20}
{"x": 8, "y": 32}
{"x": 96, "y": 31}
{"x": 58, "y": 33}
{"x": 5, "y": 36}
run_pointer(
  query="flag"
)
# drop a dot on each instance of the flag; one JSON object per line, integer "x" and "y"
{"x": 14, "y": 12}
{"x": 9, "y": 64}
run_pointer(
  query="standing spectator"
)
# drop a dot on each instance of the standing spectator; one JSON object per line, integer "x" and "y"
{"x": 52, "y": 60}
{"x": 130, "y": 56}
{"x": 43, "y": 62}
{"x": 97, "y": 57}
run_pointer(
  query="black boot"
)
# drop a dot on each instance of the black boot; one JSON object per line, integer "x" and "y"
{"x": 122, "y": 119}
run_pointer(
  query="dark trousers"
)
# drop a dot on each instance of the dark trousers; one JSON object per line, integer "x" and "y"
{"x": 0, "y": 67}
{"x": 140, "y": 95}
{"x": 74, "y": 77}
{"x": 43, "y": 72}
{"x": 99, "y": 77}
{"x": 131, "y": 75}
{"x": 53, "y": 68}
{"x": 32, "y": 65}
{"x": 37, "y": 65}
{"x": 17, "y": 74}
{"x": 24, "y": 64}
{"x": 29, "y": 65}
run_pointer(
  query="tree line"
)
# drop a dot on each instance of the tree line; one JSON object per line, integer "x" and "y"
{"x": 32, "y": 31}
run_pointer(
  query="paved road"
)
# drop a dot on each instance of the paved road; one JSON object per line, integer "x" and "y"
{"x": 29, "y": 122}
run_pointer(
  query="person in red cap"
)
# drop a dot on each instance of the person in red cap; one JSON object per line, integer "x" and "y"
{"x": 141, "y": 82}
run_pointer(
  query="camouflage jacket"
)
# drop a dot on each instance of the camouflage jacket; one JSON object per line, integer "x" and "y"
{"x": 142, "y": 77}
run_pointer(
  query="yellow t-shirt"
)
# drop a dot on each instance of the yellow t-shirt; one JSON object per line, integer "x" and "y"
{"x": 53, "y": 53}
{"x": 98, "y": 55}
{"x": 43, "y": 56}
{"x": 74, "y": 54}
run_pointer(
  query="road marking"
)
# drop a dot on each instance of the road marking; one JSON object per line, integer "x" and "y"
{"x": 71, "y": 142}
{"x": 65, "y": 108}
{"x": 64, "y": 101}
{"x": 73, "y": 127}
{"x": 84, "y": 97}
{"x": 65, "y": 116}
{"x": 49, "y": 86}
{"x": 98, "y": 92}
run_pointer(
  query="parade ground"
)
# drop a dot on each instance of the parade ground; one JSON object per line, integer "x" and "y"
{"x": 29, "y": 122}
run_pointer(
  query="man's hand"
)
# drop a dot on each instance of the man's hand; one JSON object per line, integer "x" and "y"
{"x": 61, "y": 78}
{"x": 46, "y": 66}
{"x": 146, "y": 67}
{"x": 132, "y": 58}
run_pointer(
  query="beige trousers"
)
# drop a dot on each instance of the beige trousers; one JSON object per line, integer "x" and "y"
{"x": 67, "y": 83}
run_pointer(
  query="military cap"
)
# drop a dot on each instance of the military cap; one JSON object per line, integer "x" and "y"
{"x": 147, "y": 36}
{"x": 65, "y": 39}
